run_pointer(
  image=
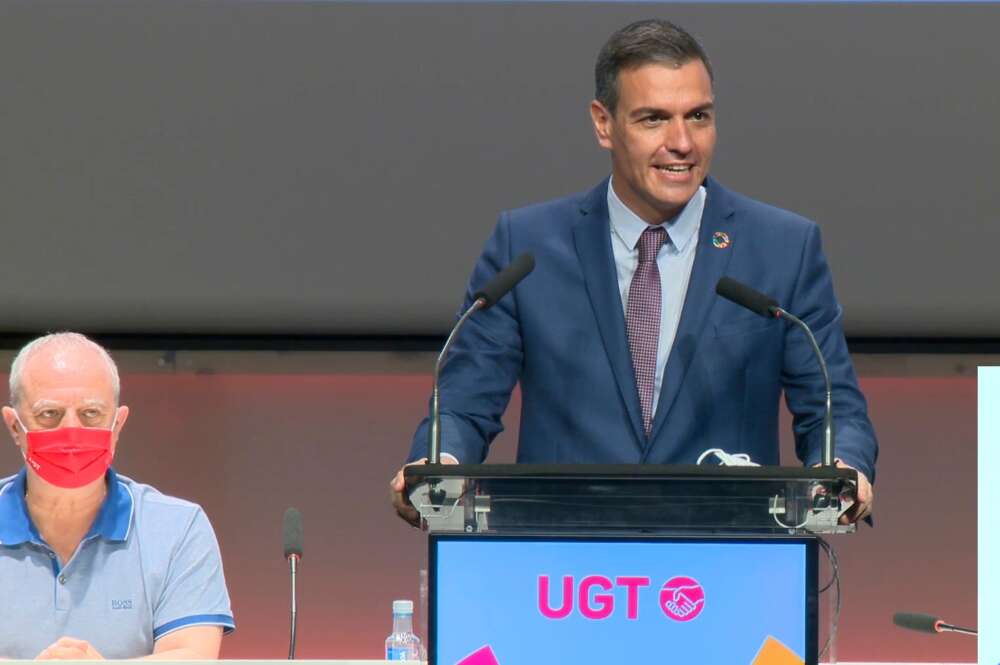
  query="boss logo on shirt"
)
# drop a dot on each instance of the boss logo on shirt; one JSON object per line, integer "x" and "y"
{"x": 121, "y": 604}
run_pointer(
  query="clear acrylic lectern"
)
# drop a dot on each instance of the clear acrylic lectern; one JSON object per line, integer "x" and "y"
{"x": 621, "y": 499}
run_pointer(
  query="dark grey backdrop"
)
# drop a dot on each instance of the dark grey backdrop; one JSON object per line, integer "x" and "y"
{"x": 293, "y": 167}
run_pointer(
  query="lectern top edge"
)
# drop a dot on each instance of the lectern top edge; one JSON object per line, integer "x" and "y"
{"x": 420, "y": 472}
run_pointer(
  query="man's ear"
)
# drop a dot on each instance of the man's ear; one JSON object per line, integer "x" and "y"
{"x": 121, "y": 415}
{"x": 10, "y": 420}
{"x": 602, "y": 119}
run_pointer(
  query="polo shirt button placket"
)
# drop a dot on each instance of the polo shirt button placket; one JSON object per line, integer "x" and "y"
{"x": 63, "y": 596}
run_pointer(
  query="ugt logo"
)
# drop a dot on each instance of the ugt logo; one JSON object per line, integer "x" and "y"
{"x": 681, "y": 598}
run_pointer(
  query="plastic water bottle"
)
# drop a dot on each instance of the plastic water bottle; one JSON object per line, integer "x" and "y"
{"x": 402, "y": 644}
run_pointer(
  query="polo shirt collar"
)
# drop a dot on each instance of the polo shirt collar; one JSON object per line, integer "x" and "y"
{"x": 115, "y": 517}
{"x": 112, "y": 523}
{"x": 680, "y": 229}
{"x": 15, "y": 524}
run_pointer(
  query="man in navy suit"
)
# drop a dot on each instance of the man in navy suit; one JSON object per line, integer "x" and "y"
{"x": 623, "y": 350}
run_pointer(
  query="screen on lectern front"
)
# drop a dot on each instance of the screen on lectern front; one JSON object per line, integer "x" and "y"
{"x": 501, "y": 600}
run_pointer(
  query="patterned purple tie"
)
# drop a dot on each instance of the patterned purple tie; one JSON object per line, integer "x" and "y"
{"x": 642, "y": 318}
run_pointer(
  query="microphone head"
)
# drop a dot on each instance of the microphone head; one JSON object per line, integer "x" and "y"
{"x": 505, "y": 280}
{"x": 292, "y": 532}
{"x": 925, "y": 623}
{"x": 744, "y": 296}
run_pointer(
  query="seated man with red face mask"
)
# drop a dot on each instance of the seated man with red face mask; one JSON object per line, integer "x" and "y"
{"x": 94, "y": 565}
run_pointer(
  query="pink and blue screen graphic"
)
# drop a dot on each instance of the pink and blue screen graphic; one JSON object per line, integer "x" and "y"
{"x": 534, "y": 601}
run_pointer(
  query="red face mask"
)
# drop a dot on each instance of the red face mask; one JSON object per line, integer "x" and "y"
{"x": 69, "y": 457}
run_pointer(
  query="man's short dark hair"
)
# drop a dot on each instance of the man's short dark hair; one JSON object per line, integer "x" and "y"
{"x": 641, "y": 43}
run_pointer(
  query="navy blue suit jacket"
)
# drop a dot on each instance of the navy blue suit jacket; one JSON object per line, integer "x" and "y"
{"x": 561, "y": 332}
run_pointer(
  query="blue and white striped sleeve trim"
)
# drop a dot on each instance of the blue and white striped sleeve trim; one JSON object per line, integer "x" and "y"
{"x": 224, "y": 620}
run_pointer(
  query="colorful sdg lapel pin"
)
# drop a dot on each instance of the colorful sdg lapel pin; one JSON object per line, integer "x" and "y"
{"x": 720, "y": 240}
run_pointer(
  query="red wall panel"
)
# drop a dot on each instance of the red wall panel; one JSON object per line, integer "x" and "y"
{"x": 248, "y": 445}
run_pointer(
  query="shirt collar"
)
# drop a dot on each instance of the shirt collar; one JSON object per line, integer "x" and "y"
{"x": 681, "y": 229}
{"x": 112, "y": 522}
{"x": 15, "y": 524}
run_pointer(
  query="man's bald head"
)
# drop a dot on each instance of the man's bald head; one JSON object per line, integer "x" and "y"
{"x": 62, "y": 352}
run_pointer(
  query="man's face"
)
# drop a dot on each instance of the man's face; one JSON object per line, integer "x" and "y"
{"x": 661, "y": 136}
{"x": 65, "y": 386}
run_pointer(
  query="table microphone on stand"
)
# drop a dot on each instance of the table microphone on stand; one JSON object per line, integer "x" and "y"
{"x": 292, "y": 532}
{"x": 928, "y": 623}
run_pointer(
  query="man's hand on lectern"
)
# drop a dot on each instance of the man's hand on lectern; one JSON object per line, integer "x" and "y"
{"x": 397, "y": 487}
{"x": 863, "y": 501}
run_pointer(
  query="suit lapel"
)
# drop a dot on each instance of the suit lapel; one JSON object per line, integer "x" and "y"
{"x": 709, "y": 265}
{"x": 592, "y": 235}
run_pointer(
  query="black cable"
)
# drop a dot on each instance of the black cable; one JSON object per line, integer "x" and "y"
{"x": 834, "y": 581}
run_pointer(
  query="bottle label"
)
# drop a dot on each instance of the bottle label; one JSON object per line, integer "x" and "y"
{"x": 397, "y": 653}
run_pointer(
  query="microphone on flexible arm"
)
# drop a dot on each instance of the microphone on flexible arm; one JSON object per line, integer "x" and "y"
{"x": 768, "y": 307}
{"x": 484, "y": 298}
{"x": 927, "y": 623}
{"x": 292, "y": 536}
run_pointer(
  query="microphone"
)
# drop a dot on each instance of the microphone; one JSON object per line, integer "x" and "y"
{"x": 484, "y": 298}
{"x": 505, "y": 280}
{"x": 291, "y": 528}
{"x": 926, "y": 623}
{"x": 768, "y": 307}
{"x": 743, "y": 295}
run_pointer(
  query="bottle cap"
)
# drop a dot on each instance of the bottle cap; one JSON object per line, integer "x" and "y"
{"x": 402, "y": 607}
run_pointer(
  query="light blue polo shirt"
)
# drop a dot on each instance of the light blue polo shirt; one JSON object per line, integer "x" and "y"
{"x": 150, "y": 565}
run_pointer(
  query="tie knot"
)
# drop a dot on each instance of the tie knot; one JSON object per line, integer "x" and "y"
{"x": 650, "y": 242}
